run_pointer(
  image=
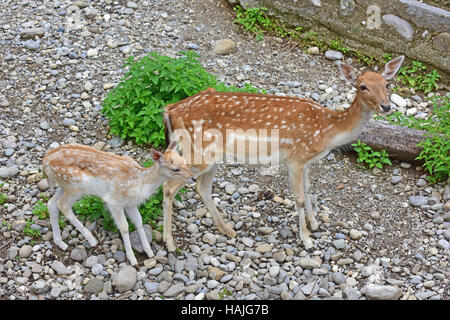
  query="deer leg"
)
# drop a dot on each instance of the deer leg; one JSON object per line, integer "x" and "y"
{"x": 310, "y": 214}
{"x": 54, "y": 215}
{"x": 65, "y": 203}
{"x": 170, "y": 188}
{"x": 296, "y": 179}
{"x": 204, "y": 188}
{"x": 136, "y": 217}
{"x": 121, "y": 222}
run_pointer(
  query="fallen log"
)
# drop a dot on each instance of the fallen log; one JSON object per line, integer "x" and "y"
{"x": 399, "y": 142}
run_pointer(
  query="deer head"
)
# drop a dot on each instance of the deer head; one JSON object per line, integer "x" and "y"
{"x": 372, "y": 86}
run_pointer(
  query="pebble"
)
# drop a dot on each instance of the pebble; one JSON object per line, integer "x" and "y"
{"x": 78, "y": 254}
{"x": 333, "y": 55}
{"x": 32, "y": 45}
{"x": 25, "y": 251}
{"x": 94, "y": 286}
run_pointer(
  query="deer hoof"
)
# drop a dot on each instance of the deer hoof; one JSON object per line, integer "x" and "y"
{"x": 170, "y": 245}
{"x": 62, "y": 245}
{"x": 308, "y": 243}
{"x": 226, "y": 229}
{"x": 314, "y": 225}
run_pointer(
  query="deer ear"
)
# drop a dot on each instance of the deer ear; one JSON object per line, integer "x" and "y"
{"x": 391, "y": 68}
{"x": 348, "y": 72}
{"x": 172, "y": 145}
{"x": 156, "y": 156}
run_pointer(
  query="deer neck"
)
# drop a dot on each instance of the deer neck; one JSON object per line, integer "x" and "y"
{"x": 151, "y": 179}
{"x": 352, "y": 122}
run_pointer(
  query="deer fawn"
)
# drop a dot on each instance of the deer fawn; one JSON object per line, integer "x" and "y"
{"x": 120, "y": 181}
{"x": 306, "y": 131}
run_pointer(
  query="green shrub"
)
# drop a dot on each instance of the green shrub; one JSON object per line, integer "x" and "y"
{"x": 414, "y": 76}
{"x": 436, "y": 146}
{"x": 134, "y": 108}
{"x": 370, "y": 157}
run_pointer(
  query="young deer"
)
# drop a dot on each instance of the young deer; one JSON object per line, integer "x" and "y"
{"x": 120, "y": 181}
{"x": 307, "y": 132}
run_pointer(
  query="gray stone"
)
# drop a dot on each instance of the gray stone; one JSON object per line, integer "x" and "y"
{"x": 443, "y": 244}
{"x": 192, "y": 228}
{"x": 224, "y": 46}
{"x": 126, "y": 278}
{"x": 339, "y": 244}
{"x": 308, "y": 263}
{"x": 339, "y": 278}
{"x": 67, "y": 122}
{"x": 78, "y": 254}
{"x": 90, "y": 261}
{"x": 32, "y": 45}
{"x": 418, "y": 201}
{"x": 116, "y": 142}
{"x": 381, "y": 292}
{"x": 94, "y": 286}
{"x": 39, "y": 287}
{"x": 151, "y": 287}
{"x": 97, "y": 269}
{"x": 333, "y": 55}
{"x": 8, "y": 172}
{"x": 31, "y": 33}
{"x": 174, "y": 290}
{"x": 402, "y": 27}
{"x": 396, "y": 179}
{"x": 9, "y": 152}
{"x": 59, "y": 267}
{"x": 25, "y": 251}
{"x": 136, "y": 241}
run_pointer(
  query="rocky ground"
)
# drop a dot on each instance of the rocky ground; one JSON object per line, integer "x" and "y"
{"x": 382, "y": 234}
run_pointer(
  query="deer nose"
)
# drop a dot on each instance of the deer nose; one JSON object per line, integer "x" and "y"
{"x": 385, "y": 107}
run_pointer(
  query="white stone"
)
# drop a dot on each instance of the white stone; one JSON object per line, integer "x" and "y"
{"x": 399, "y": 101}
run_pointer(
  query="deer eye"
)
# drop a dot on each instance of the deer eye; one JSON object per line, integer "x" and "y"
{"x": 363, "y": 87}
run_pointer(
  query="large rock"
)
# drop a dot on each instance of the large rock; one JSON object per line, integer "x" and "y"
{"x": 126, "y": 279}
{"x": 402, "y": 27}
{"x": 224, "y": 46}
{"x": 379, "y": 292}
{"x": 8, "y": 172}
{"x": 31, "y": 33}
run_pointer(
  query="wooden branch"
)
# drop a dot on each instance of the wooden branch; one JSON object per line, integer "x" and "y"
{"x": 399, "y": 142}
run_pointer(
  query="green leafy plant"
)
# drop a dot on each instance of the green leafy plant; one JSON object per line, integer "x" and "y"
{"x": 224, "y": 293}
{"x": 336, "y": 44}
{"x": 386, "y": 57}
{"x": 134, "y": 108}
{"x": 436, "y": 146}
{"x": 34, "y": 233}
{"x": 256, "y": 21}
{"x": 414, "y": 76}
{"x": 369, "y": 157}
{"x": 92, "y": 208}
{"x": 40, "y": 209}
{"x": 3, "y": 198}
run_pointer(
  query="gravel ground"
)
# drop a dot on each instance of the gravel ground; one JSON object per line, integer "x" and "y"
{"x": 382, "y": 235}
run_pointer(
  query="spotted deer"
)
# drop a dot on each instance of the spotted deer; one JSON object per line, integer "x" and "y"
{"x": 306, "y": 132}
{"x": 118, "y": 180}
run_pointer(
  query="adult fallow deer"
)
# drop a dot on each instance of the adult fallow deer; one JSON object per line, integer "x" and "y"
{"x": 306, "y": 132}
